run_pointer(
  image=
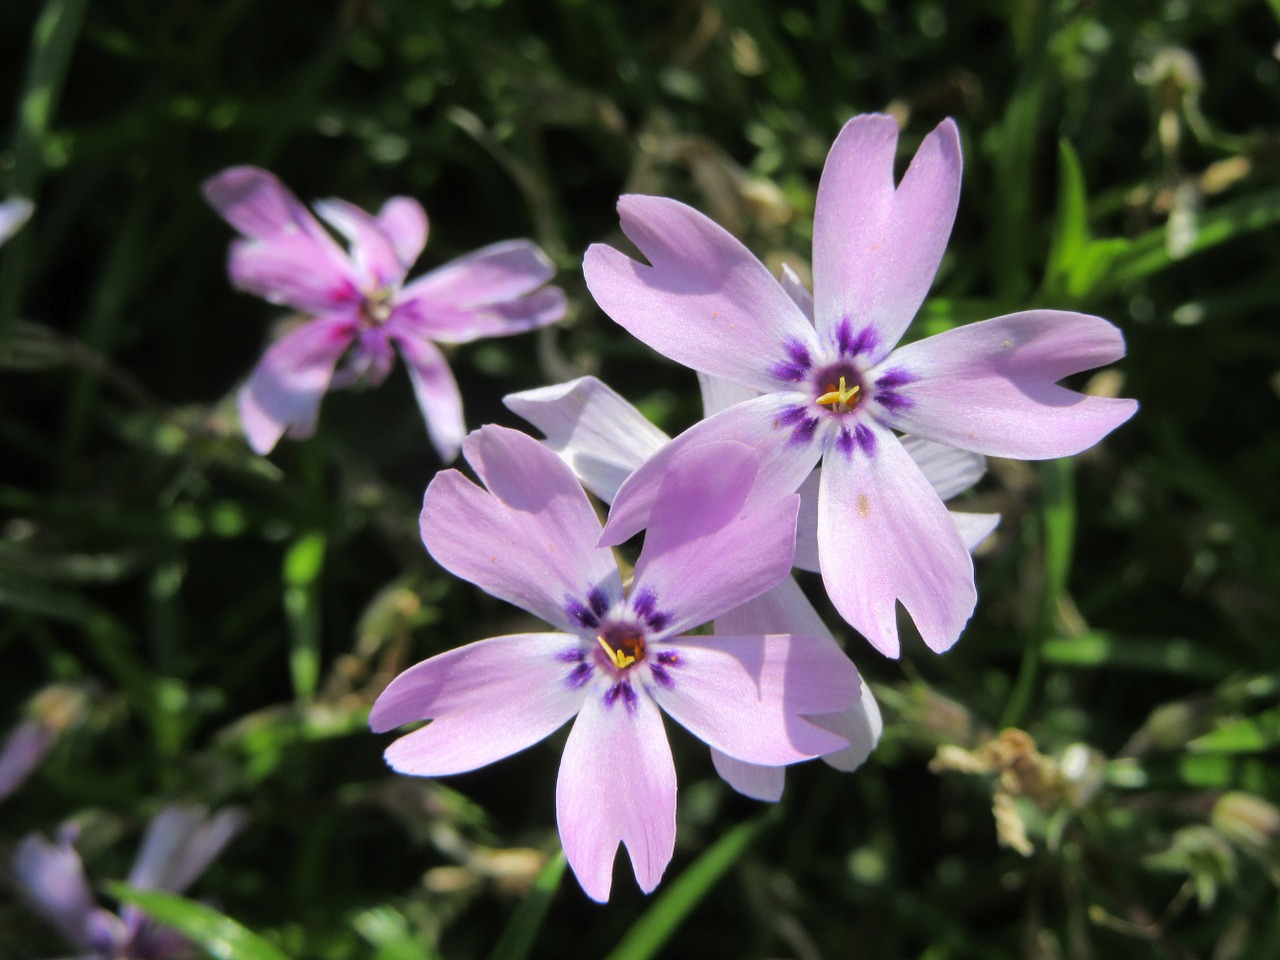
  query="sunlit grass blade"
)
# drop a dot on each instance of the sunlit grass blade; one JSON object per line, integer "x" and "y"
{"x": 215, "y": 933}
{"x": 1058, "y": 524}
{"x": 521, "y": 931}
{"x": 303, "y": 565}
{"x": 1149, "y": 253}
{"x": 674, "y": 904}
{"x": 1176, "y": 656}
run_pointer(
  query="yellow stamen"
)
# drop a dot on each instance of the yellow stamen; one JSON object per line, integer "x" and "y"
{"x": 843, "y": 395}
{"x": 620, "y": 660}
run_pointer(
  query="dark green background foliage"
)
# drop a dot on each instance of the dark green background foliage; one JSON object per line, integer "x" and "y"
{"x": 223, "y": 621}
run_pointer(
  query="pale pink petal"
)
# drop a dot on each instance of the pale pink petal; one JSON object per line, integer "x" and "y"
{"x": 285, "y": 388}
{"x": 711, "y": 543}
{"x": 750, "y": 779}
{"x": 807, "y": 525}
{"x": 617, "y": 784}
{"x": 372, "y": 250}
{"x": 485, "y": 701}
{"x": 975, "y": 527}
{"x": 797, "y": 291}
{"x": 448, "y": 323}
{"x": 758, "y": 423}
{"x": 437, "y": 393}
{"x": 292, "y": 269}
{"x": 51, "y": 879}
{"x": 876, "y": 249}
{"x": 746, "y": 695}
{"x": 258, "y": 205}
{"x": 861, "y": 725}
{"x": 493, "y": 274}
{"x": 288, "y": 257}
{"x": 784, "y": 609}
{"x": 531, "y": 541}
{"x": 705, "y": 302}
{"x": 13, "y": 214}
{"x": 179, "y": 845}
{"x": 598, "y": 434}
{"x": 991, "y": 386}
{"x": 405, "y": 222}
{"x": 883, "y": 536}
{"x": 719, "y": 395}
{"x": 949, "y": 470}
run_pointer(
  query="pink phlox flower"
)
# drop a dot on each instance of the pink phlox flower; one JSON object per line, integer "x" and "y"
{"x": 604, "y": 439}
{"x": 179, "y": 845}
{"x": 14, "y": 212}
{"x": 360, "y": 306}
{"x": 837, "y": 390}
{"x": 619, "y": 657}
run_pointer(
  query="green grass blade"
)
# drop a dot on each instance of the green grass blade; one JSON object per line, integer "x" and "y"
{"x": 218, "y": 935}
{"x": 303, "y": 567}
{"x": 673, "y": 906}
{"x": 52, "y": 41}
{"x": 521, "y": 931}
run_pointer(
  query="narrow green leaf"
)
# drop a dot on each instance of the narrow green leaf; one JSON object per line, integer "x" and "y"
{"x": 1247, "y": 735}
{"x": 303, "y": 565}
{"x": 215, "y": 933}
{"x": 52, "y": 40}
{"x": 1149, "y": 254}
{"x": 521, "y": 931}
{"x": 1058, "y": 525}
{"x": 648, "y": 935}
{"x": 1071, "y": 226}
{"x": 1175, "y": 655}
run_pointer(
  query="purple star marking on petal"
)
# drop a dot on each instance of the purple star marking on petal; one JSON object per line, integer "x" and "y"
{"x": 803, "y": 432}
{"x": 866, "y": 439}
{"x": 793, "y": 370}
{"x": 621, "y": 690}
{"x": 897, "y": 377}
{"x": 662, "y": 676}
{"x": 599, "y": 601}
{"x": 579, "y": 675}
{"x": 844, "y": 442}
{"x": 645, "y": 605}
{"x": 850, "y": 345}
{"x": 580, "y": 614}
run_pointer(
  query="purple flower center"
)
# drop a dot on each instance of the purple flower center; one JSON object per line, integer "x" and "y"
{"x": 376, "y": 308}
{"x": 622, "y": 644}
{"x": 838, "y": 387}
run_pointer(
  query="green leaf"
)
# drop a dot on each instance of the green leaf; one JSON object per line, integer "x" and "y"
{"x": 521, "y": 931}
{"x": 218, "y": 935}
{"x": 1175, "y": 655}
{"x": 1248, "y": 735}
{"x": 648, "y": 935}
{"x": 1071, "y": 226}
{"x": 303, "y": 565}
{"x": 1149, "y": 254}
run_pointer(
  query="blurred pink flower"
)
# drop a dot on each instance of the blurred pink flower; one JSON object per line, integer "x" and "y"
{"x": 837, "y": 390}
{"x": 360, "y": 305}
{"x": 622, "y": 657}
{"x": 179, "y": 845}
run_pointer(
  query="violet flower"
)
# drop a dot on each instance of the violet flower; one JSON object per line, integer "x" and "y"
{"x": 838, "y": 391}
{"x": 13, "y": 214}
{"x": 49, "y": 713}
{"x": 360, "y": 305}
{"x": 603, "y": 439}
{"x": 618, "y": 656}
{"x": 179, "y": 845}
